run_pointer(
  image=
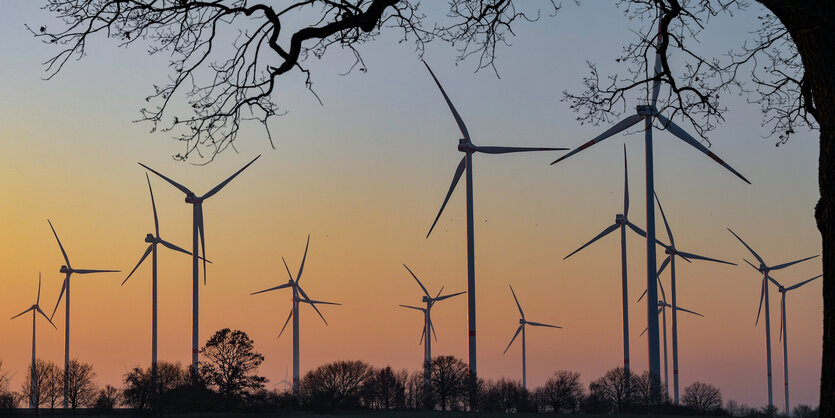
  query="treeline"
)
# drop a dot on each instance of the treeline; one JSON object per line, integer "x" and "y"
{"x": 228, "y": 381}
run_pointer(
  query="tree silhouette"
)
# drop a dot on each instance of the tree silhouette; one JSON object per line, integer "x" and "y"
{"x": 562, "y": 392}
{"x": 81, "y": 388}
{"x": 36, "y": 383}
{"x": 450, "y": 380}
{"x": 230, "y": 362}
{"x": 614, "y": 388}
{"x": 335, "y": 385}
{"x": 702, "y": 397}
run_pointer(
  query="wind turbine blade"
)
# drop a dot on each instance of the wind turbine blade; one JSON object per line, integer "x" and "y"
{"x": 517, "y": 302}
{"x": 202, "y": 233}
{"x": 772, "y": 280}
{"x": 225, "y": 182}
{"x": 432, "y": 327}
{"x": 620, "y": 126}
{"x": 508, "y": 150}
{"x": 625, "y": 185}
{"x": 661, "y": 286}
{"x": 642, "y": 295}
{"x": 448, "y": 296}
{"x": 285, "y": 323}
{"x": 141, "y": 259}
{"x": 455, "y": 114}
{"x": 88, "y": 271}
{"x": 663, "y": 266}
{"x": 422, "y": 334}
{"x": 641, "y": 232}
{"x": 304, "y": 258}
{"x": 66, "y": 259}
{"x": 678, "y": 308}
{"x": 537, "y": 324}
{"x": 426, "y": 292}
{"x": 30, "y": 309}
{"x": 782, "y": 310}
{"x": 791, "y": 263}
{"x": 38, "y": 300}
{"x": 656, "y": 84}
{"x": 518, "y": 330}
{"x": 318, "y": 302}
{"x": 38, "y": 308}
{"x": 762, "y": 295}
{"x": 439, "y": 294}
{"x": 643, "y": 332}
{"x": 701, "y": 257}
{"x": 751, "y": 250}
{"x": 312, "y": 304}
{"x": 666, "y": 225}
{"x": 172, "y": 182}
{"x": 752, "y": 265}
{"x": 285, "y": 285}
{"x": 414, "y": 307}
{"x": 153, "y": 205}
{"x": 455, "y": 177}
{"x": 176, "y": 248}
{"x": 287, "y": 268}
{"x": 60, "y": 295}
{"x": 803, "y": 282}
{"x": 684, "y": 136}
{"x": 605, "y": 232}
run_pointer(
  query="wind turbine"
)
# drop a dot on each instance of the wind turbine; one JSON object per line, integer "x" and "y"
{"x": 65, "y": 287}
{"x": 662, "y": 310}
{"x": 299, "y": 295}
{"x": 427, "y": 326}
{"x": 466, "y": 146}
{"x": 36, "y": 309}
{"x": 648, "y": 113}
{"x": 284, "y": 381}
{"x": 783, "y": 290}
{"x": 621, "y": 222}
{"x": 672, "y": 252}
{"x": 197, "y": 230}
{"x": 522, "y": 323}
{"x": 153, "y": 240}
{"x": 765, "y": 269}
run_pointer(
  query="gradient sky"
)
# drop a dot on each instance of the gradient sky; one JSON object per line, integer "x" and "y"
{"x": 364, "y": 175}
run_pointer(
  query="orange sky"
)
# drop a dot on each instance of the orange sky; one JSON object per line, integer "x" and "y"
{"x": 364, "y": 176}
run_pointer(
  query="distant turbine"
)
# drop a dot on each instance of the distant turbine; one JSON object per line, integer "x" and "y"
{"x": 662, "y": 310}
{"x": 65, "y": 287}
{"x": 298, "y": 296}
{"x": 153, "y": 240}
{"x": 427, "y": 326}
{"x": 284, "y": 381}
{"x": 672, "y": 252}
{"x": 782, "y": 334}
{"x": 36, "y": 309}
{"x": 648, "y": 113}
{"x": 466, "y": 146}
{"x": 197, "y": 230}
{"x": 764, "y": 269}
{"x": 522, "y": 323}
{"x": 621, "y": 222}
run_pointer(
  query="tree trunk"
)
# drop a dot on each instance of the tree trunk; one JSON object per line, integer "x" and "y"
{"x": 811, "y": 24}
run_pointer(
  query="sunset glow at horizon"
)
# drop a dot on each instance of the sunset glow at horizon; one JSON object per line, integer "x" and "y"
{"x": 364, "y": 175}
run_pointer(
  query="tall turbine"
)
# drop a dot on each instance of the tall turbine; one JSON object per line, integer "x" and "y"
{"x": 65, "y": 288}
{"x": 522, "y": 323}
{"x": 783, "y": 290}
{"x": 197, "y": 230}
{"x": 36, "y": 309}
{"x": 466, "y": 146}
{"x": 621, "y": 222}
{"x": 427, "y": 326}
{"x": 648, "y": 113}
{"x": 672, "y": 252}
{"x": 765, "y": 269}
{"x": 153, "y": 240}
{"x": 299, "y": 295}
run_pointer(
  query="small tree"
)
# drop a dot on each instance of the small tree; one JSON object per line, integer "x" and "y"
{"x": 229, "y": 363}
{"x": 561, "y": 393}
{"x": 614, "y": 387}
{"x": 702, "y": 397}
{"x": 504, "y": 396}
{"x": 107, "y": 398}
{"x": 386, "y": 389}
{"x": 54, "y": 385}
{"x": 337, "y": 384}
{"x": 644, "y": 388}
{"x": 81, "y": 388}
{"x": 34, "y": 388}
{"x": 450, "y": 379}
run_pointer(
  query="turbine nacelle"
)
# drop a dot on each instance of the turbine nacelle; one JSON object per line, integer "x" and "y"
{"x": 465, "y": 146}
{"x": 426, "y": 299}
{"x": 191, "y": 198}
{"x": 65, "y": 269}
{"x": 620, "y": 219}
{"x": 521, "y": 321}
{"x": 150, "y": 238}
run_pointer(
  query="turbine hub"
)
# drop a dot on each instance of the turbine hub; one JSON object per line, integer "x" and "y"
{"x": 191, "y": 198}
{"x": 465, "y": 146}
{"x": 620, "y": 219}
{"x": 65, "y": 269}
{"x": 645, "y": 110}
{"x": 426, "y": 299}
{"x": 150, "y": 238}
{"x": 522, "y": 321}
